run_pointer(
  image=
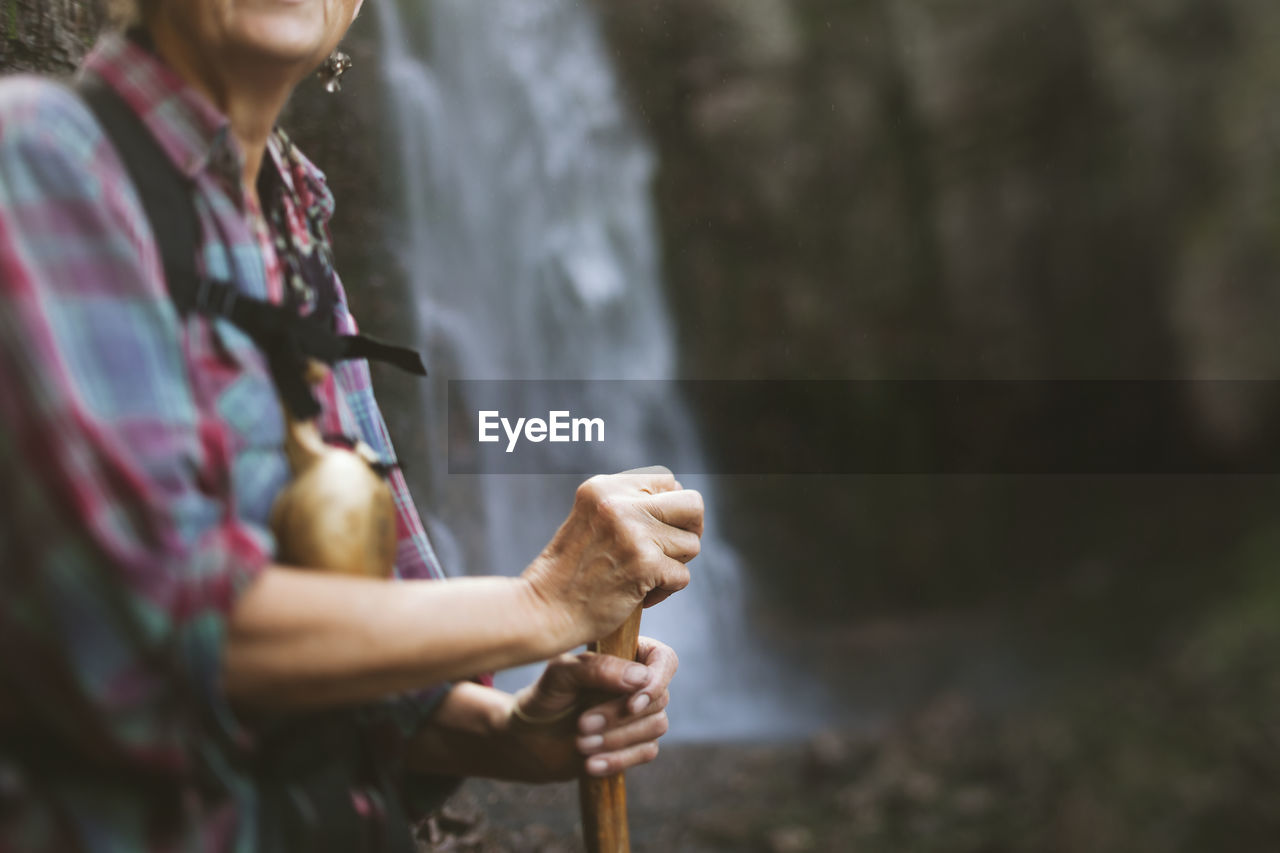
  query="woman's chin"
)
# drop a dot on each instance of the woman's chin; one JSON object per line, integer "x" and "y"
{"x": 287, "y": 41}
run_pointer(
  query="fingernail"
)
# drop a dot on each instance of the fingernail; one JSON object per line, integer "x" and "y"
{"x": 639, "y": 703}
{"x": 598, "y": 766}
{"x": 593, "y": 722}
{"x": 636, "y": 674}
{"x": 589, "y": 743}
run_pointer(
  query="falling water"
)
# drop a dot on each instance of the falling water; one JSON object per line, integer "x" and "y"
{"x": 529, "y": 234}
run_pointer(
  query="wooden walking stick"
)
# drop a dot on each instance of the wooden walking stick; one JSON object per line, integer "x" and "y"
{"x": 604, "y": 800}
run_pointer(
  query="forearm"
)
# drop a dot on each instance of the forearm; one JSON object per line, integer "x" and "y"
{"x": 299, "y": 639}
{"x": 462, "y": 738}
{"x": 470, "y": 735}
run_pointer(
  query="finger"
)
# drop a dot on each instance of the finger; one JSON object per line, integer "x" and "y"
{"x": 653, "y": 480}
{"x": 637, "y": 731}
{"x": 657, "y": 655}
{"x": 659, "y": 595}
{"x": 616, "y": 762}
{"x": 679, "y": 545}
{"x": 613, "y": 714}
{"x": 663, "y": 663}
{"x": 572, "y": 674}
{"x": 674, "y": 576}
{"x": 683, "y": 510}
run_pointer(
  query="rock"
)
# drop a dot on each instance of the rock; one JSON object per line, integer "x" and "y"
{"x": 827, "y": 754}
{"x": 791, "y": 839}
{"x": 47, "y": 35}
{"x": 907, "y": 189}
{"x": 921, "y": 787}
{"x": 972, "y": 800}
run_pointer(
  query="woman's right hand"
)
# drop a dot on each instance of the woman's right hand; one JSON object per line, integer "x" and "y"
{"x": 627, "y": 541}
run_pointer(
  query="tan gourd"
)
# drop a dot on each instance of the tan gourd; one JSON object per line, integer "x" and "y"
{"x": 338, "y": 513}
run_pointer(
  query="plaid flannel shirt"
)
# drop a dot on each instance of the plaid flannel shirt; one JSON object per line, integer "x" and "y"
{"x": 140, "y": 454}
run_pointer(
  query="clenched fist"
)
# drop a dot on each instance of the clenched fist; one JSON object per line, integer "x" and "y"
{"x": 627, "y": 541}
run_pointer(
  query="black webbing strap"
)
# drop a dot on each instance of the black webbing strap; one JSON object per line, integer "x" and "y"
{"x": 287, "y": 339}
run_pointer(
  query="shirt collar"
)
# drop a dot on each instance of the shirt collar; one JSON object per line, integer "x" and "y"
{"x": 302, "y": 179}
{"x": 192, "y": 131}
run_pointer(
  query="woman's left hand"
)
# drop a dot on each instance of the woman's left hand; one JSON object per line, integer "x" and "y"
{"x": 587, "y": 714}
{"x": 596, "y": 714}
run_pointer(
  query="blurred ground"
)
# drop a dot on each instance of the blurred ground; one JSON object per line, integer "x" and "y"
{"x": 1170, "y": 745}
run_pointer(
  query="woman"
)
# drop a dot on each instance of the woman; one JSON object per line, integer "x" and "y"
{"x": 151, "y": 648}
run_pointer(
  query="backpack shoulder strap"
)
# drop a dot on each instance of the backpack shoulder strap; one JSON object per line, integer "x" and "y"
{"x": 166, "y": 194}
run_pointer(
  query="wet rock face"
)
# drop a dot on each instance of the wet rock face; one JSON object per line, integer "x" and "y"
{"x": 920, "y": 188}
{"x": 47, "y": 36}
{"x": 917, "y": 188}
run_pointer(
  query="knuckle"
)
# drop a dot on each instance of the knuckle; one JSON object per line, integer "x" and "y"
{"x": 660, "y": 473}
{"x": 560, "y": 672}
{"x": 564, "y": 661}
{"x": 662, "y": 723}
{"x": 649, "y": 752}
{"x": 592, "y": 490}
{"x": 628, "y": 550}
{"x": 653, "y": 553}
{"x": 609, "y": 509}
{"x": 635, "y": 544}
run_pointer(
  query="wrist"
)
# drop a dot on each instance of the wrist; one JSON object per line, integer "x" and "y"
{"x": 475, "y": 710}
{"x": 550, "y": 620}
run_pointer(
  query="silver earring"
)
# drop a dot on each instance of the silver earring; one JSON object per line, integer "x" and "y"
{"x": 331, "y": 72}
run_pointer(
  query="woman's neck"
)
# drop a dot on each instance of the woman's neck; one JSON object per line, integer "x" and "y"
{"x": 250, "y": 94}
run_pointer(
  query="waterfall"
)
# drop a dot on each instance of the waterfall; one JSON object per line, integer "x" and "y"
{"x": 529, "y": 236}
